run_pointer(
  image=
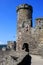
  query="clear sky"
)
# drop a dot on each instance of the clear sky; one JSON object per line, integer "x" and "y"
{"x": 8, "y": 17}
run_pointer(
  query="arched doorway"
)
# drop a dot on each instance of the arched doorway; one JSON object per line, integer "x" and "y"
{"x": 26, "y": 47}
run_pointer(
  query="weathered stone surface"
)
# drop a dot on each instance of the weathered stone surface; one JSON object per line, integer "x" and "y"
{"x": 24, "y": 25}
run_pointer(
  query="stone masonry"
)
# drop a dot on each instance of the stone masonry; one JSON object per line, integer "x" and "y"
{"x": 25, "y": 32}
{"x": 24, "y": 24}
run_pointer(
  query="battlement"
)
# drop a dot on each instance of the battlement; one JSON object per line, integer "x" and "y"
{"x": 24, "y": 6}
{"x": 39, "y": 18}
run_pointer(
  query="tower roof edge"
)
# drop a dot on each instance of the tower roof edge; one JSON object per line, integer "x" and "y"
{"x": 24, "y": 6}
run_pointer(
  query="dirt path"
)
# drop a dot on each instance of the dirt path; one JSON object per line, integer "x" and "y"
{"x": 36, "y": 60}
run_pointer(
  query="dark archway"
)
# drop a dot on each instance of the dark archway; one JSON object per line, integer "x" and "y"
{"x": 26, "y": 47}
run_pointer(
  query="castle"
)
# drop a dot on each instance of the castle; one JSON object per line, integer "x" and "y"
{"x": 26, "y": 34}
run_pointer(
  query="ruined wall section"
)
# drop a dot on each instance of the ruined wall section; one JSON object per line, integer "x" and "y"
{"x": 37, "y": 36}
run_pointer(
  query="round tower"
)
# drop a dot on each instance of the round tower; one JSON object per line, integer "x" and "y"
{"x": 24, "y": 23}
{"x": 24, "y": 12}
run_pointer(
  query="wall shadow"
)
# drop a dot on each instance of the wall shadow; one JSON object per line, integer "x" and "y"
{"x": 26, "y": 60}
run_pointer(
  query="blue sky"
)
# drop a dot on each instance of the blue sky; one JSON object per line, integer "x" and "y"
{"x": 8, "y": 17}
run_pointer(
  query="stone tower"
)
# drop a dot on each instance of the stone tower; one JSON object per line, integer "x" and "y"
{"x": 24, "y": 24}
{"x": 39, "y": 23}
